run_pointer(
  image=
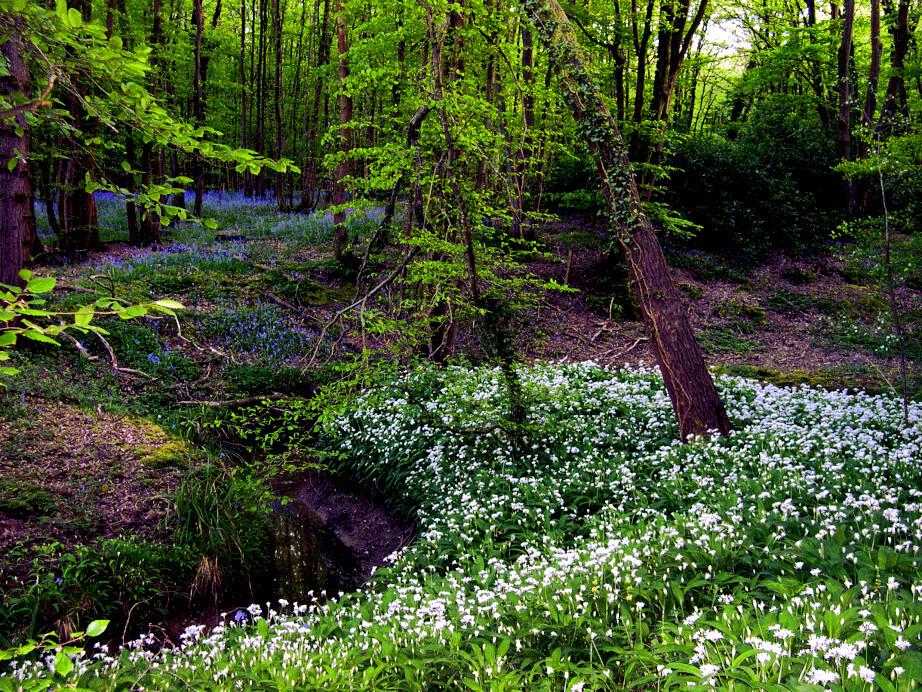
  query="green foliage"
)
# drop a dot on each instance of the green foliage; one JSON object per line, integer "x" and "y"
{"x": 220, "y": 516}
{"x": 24, "y": 313}
{"x": 124, "y": 579}
{"x": 22, "y": 500}
{"x": 727, "y": 339}
{"x": 744, "y": 317}
{"x": 757, "y": 193}
{"x": 597, "y": 550}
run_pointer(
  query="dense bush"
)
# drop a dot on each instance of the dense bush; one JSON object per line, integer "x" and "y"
{"x": 771, "y": 187}
{"x": 128, "y": 580}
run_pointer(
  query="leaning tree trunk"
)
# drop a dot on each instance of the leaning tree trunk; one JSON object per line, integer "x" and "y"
{"x": 695, "y": 400}
{"x": 17, "y": 222}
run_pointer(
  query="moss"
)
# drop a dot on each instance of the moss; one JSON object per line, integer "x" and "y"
{"x": 745, "y": 317}
{"x": 173, "y": 453}
{"x": 160, "y": 450}
{"x": 692, "y": 291}
{"x": 832, "y": 378}
{"x": 798, "y": 276}
{"x": 21, "y": 499}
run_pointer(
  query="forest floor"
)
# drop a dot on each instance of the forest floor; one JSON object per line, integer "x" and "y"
{"x": 89, "y": 450}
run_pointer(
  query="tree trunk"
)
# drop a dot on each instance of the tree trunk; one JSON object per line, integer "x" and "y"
{"x": 901, "y": 28}
{"x": 345, "y": 137}
{"x": 198, "y": 100}
{"x": 17, "y": 221}
{"x": 76, "y": 206}
{"x": 277, "y": 99}
{"x": 310, "y": 193}
{"x": 845, "y": 96}
{"x": 695, "y": 400}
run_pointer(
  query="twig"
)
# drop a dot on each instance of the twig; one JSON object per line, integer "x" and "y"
{"x": 80, "y": 347}
{"x": 891, "y": 291}
{"x": 33, "y": 106}
{"x": 361, "y": 301}
{"x": 625, "y": 351}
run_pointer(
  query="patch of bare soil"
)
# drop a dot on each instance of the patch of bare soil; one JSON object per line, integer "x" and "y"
{"x": 742, "y": 321}
{"x": 69, "y": 475}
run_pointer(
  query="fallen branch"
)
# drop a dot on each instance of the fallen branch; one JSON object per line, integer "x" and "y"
{"x": 625, "y": 351}
{"x": 245, "y": 401}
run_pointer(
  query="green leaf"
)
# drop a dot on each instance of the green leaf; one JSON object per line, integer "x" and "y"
{"x": 169, "y": 304}
{"x": 97, "y": 627}
{"x": 84, "y": 316}
{"x": 132, "y": 312}
{"x": 74, "y": 17}
{"x": 25, "y": 274}
{"x": 62, "y": 664}
{"x": 38, "y": 336}
{"x": 41, "y": 285}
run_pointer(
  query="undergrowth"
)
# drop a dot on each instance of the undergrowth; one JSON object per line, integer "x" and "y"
{"x": 585, "y": 548}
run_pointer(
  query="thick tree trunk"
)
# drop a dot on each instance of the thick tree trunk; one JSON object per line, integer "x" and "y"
{"x": 695, "y": 400}
{"x": 17, "y": 221}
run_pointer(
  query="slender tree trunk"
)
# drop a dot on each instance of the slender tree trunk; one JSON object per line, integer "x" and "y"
{"x": 520, "y": 178}
{"x": 17, "y": 221}
{"x": 901, "y": 26}
{"x": 310, "y": 192}
{"x": 845, "y": 88}
{"x": 198, "y": 100}
{"x": 277, "y": 98}
{"x": 345, "y": 137}
{"x": 242, "y": 76}
{"x": 261, "y": 74}
{"x": 695, "y": 400}
{"x": 76, "y": 206}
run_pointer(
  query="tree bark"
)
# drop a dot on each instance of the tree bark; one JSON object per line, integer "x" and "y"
{"x": 694, "y": 397}
{"x": 309, "y": 195}
{"x": 845, "y": 96}
{"x": 901, "y": 27}
{"x": 198, "y": 99}
{"x": 17, "y": 221}
{"x": 277, "y": 101}
{"x": 345, "y": 137}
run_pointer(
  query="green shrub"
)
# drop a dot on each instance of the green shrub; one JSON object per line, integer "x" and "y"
{"x": 128, "y": 580}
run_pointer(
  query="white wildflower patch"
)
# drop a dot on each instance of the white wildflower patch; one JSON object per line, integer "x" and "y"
{"x": 587, "y": 548}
